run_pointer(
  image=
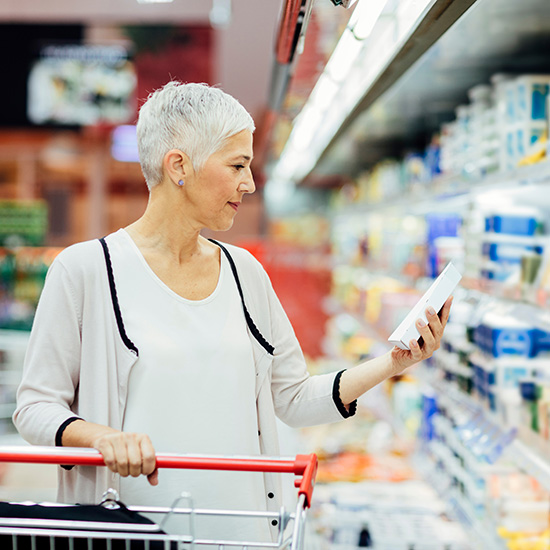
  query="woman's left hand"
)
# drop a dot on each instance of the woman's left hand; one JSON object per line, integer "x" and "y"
{"x": 431, "y": 339}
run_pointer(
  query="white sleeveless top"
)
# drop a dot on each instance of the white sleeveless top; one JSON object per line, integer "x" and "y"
{"x": 192, "y": 390}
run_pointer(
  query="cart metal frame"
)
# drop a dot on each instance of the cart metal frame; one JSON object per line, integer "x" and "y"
{"x": 304, "y": 467}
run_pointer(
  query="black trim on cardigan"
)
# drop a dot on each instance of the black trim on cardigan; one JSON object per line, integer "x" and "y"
{"x": 59, "y": 436}
{"x": 338, "y": 400}
{"x": 61, "y": 429}
{"x": 127, "y": 342}
{"x": 253, "y": 328}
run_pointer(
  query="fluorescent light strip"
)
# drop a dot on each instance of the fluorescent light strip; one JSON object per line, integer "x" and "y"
{"x": 350, "y": 71}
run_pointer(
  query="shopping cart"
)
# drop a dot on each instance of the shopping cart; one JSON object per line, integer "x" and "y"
{"x": 22, "y": 533}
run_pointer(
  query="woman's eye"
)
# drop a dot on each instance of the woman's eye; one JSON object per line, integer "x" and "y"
{"x": 238, "y": 166}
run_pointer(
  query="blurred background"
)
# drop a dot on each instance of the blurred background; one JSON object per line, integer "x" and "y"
{"x": 393, "y": 136}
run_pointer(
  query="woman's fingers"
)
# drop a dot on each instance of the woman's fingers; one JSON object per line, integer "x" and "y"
{"x": 153, "y": 478}
{"x": 433, "y": 331}
{"x": 149, "y": 460}
{"x": 133, "y": 454}
{"x": 121, "y": 455}
{"x": 416, "y": 351}
{"x": 430, "y": 342}
{"x": 107, "y": 451}
{"x": 445, "y": 311}
{"x": 129, "y": 454}
{"x": 431, "y": 335}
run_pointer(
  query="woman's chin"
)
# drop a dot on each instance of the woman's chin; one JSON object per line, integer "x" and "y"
{"x": 221, "y": 226}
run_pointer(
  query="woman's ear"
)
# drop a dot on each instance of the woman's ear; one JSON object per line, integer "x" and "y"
{"x": 177, "y": 165}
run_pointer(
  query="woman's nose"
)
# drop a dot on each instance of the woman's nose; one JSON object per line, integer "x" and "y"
{"x": 248, "y": 185}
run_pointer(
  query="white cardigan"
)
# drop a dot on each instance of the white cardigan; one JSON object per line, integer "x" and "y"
{"x": 78, "y": 363}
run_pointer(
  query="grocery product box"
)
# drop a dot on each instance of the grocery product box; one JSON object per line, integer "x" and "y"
{"x": 531, "y": 94}
{"x": 435, "y": 297}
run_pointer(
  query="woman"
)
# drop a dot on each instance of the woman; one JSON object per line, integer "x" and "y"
{"x": 155, "y": 338}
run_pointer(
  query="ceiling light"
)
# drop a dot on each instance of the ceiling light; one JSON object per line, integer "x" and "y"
{"x": 220, "y": 14}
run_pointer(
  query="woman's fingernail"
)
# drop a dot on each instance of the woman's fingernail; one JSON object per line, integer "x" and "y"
{"x": 414, "y": 344}
{"x": 420, "y": 323}
{"x": 431, "y": 310}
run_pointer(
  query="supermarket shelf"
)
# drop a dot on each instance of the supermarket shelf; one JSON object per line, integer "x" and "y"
{"x": 534, "y": 314}
{"x": 528, "y": 183}
{"x": 526, "y": 458}
{"x": 509, "y": 297}
{"x": 411, "y": 105}
{"x": 483, "y": 535}
{"x": 521, "y": 454}
{"x": 531, "y": 462}
{"x": 436, "y": 19}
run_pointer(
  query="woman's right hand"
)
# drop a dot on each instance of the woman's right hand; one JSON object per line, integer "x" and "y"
{"x": 128, "y": 454}
{"x": 124, "y": 453}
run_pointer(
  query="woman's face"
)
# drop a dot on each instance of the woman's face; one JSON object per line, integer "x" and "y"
{"x": 217, "y": 190}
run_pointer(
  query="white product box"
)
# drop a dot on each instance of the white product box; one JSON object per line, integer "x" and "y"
{"x": 435, "y": 297}
{"x": 531, "y": 94}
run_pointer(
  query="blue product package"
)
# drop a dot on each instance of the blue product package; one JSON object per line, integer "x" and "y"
{"x": 508, "y": 341}
{"x": 539, "y": 95}
{"x": 531, "y": 100}
{"x": 514, "y": 225}
{"x": 509, "y": 377}
{"x": 528, "y": 390}
{"x": 525, "y": 137}
{"x": 491, "y": 398}
{"x": 429, "y": 409}
{"x": 507, "y": 252}
{"x": 439, "y": 225}
{"x": 542, "y": 341}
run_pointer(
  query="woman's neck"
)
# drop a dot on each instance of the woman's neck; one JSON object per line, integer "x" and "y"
{"x": 161, "y": 230}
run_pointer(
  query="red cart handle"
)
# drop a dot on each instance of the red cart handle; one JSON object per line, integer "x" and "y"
{"x": 303, "y": 465}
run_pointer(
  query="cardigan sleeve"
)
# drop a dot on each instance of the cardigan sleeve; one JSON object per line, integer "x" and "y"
{"x": 51, "y": 368}
{"x": 300, "y": 399}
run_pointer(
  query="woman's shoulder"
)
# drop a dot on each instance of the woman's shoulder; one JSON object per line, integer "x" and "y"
{"x": 84, "y": 257}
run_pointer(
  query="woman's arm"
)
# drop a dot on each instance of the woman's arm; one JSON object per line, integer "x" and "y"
{"x": 360, "y": 379}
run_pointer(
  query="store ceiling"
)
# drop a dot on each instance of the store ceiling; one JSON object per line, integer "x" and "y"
{"x": 493, "y": 36}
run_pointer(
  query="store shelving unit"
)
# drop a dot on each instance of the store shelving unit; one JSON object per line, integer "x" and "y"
{"x": 419, "y": 88}
{"x": 13, "y": 344}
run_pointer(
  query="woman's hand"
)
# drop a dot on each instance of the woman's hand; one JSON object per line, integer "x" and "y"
{"x": 124, "y": 453}
{"x": 128, "y": 454}
{"x": 431, "y": 339}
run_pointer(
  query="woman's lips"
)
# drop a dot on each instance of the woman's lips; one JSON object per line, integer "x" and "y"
{"x": 235, "y": 205}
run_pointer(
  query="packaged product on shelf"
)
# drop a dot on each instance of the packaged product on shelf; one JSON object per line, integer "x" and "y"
{"x": 531, "y": 97}
{"x": 441, "y": 252}
{"x": 450, "y": 159}
{"x": 528, "y": 107}
{"x": 483, "y": 130}
{"x": 22, "y": 274}
{"x": 466, "y": 456}
{"x": 512, "y": 245}
{"x": 535, "y": 411}
{"x": 522, "y": 221}
{"x": 463, "y": 140}
{"x": 503, "y": 89}
{"x": 504, "y": 335}
{"x": 23, "y": 222}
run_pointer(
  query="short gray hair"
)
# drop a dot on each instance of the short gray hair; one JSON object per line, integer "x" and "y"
{"x": 197, "y": 119}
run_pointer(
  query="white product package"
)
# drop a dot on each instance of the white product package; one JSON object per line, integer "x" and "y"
{"x": 435, "y": 297}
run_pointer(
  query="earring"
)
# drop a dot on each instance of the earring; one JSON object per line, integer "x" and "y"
{"x": 181, "y": 183}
